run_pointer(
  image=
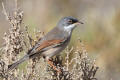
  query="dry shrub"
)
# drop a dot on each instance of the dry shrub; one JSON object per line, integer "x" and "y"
{"x": 77, "y": 67}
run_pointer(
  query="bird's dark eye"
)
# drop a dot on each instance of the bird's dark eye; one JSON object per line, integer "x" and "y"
{"x": 70, "y": 21}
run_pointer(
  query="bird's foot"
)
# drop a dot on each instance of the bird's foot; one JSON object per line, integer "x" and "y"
{"x": 50, "y": 62}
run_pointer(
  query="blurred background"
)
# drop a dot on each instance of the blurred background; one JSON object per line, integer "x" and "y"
{"x": 100, "y": 32}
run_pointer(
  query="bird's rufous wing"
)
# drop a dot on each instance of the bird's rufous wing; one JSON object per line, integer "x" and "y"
{"x": 46, "y": 45}
{"x": 49, "y": 43}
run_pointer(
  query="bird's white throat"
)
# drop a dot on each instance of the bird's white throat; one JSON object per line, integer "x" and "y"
{"x": 69, "y": 28}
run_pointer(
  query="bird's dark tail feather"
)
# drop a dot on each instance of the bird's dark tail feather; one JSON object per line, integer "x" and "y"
{"x": 14, "y": 65}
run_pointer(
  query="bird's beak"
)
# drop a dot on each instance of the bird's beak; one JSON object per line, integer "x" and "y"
{"x": 79, "y": 22}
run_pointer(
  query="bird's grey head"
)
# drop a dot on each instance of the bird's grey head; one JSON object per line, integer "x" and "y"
{"x": 68, "y": 23}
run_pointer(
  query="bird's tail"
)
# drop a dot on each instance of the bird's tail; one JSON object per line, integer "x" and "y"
{"x": 14, "y": 65}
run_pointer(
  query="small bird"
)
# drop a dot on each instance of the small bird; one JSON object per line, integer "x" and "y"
{"x": 52, "y": 43}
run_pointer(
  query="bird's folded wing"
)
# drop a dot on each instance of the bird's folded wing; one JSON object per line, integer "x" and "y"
{"x": 47, "y": 45}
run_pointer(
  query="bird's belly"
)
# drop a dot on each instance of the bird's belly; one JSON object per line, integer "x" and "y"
{"x": 51, "y": 52}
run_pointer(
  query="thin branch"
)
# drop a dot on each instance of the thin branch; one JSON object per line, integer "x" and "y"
{"x": 5, "y": 12}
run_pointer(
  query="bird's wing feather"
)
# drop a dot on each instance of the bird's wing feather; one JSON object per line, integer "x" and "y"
{"x": 49, "y": 43}
{"x": 45, "y": 45}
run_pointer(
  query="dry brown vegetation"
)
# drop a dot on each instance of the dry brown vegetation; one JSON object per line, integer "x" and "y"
{"x": 18, "y": 41}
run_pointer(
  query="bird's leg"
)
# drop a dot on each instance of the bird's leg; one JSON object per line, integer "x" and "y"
{"x": 54, "y": 67}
